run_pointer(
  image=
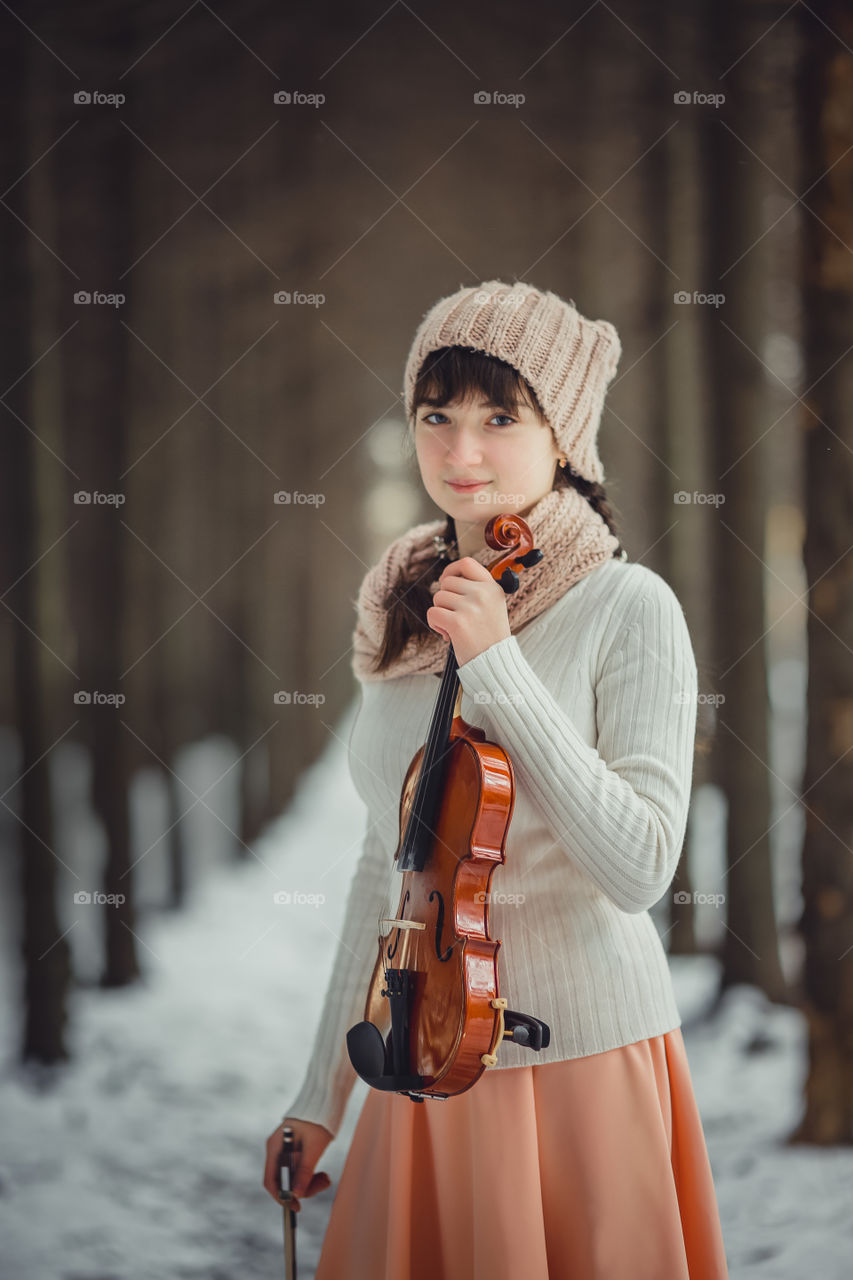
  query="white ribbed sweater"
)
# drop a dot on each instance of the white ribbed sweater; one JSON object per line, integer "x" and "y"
{"x": 599, "y": 726}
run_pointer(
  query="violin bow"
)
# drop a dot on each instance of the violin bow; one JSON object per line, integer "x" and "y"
{"x": 289, "y": 1149}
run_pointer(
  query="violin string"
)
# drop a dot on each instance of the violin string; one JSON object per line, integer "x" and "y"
{"x": 446, "y": 698}
{"x": 429, "y": 746}
{"x": 446, "y": 695}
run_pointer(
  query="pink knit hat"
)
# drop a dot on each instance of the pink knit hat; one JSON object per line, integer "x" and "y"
{"x": 567, "y": 359}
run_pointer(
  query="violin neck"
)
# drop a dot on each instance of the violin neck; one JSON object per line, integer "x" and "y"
{"x": 418, "y": 836}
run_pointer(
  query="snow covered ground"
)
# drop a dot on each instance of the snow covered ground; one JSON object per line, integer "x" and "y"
{"x": 142, "y": 1159}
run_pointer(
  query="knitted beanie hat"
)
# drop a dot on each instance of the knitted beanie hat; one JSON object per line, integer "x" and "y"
{"x": 567, "y": 359}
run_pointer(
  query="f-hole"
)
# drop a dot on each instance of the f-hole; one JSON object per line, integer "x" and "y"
{"x": 439, "y": 927}
{"x": 391, "y": 950}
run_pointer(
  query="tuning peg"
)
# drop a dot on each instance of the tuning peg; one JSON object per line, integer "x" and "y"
{"x": 509, "y": 581}
{"x": 530, "y": 558}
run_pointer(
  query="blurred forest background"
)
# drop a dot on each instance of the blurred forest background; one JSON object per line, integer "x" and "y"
{"x": 222, "y": 224}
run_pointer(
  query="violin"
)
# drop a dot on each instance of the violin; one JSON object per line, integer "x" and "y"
{"x": 435, "y": 979}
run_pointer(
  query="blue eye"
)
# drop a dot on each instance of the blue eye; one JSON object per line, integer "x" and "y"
{"x": 437, "y": 414}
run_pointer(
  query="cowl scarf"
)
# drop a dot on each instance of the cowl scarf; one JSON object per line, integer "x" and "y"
{"x": 573, "y": 539}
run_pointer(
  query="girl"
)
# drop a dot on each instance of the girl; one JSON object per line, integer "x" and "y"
{"x": 587, "y": 1159}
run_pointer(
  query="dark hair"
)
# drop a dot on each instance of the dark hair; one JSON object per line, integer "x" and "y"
{"x": 448, "y": 374}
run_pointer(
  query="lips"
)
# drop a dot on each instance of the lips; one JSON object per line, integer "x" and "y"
{"x": 467, "y": 486}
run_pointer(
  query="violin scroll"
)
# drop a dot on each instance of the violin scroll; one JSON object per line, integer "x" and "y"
{"x": 510, "y": 533}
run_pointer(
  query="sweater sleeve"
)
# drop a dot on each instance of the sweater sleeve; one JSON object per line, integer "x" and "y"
{"x": 329, "y": 1076}
{"x": 619, "y": 810}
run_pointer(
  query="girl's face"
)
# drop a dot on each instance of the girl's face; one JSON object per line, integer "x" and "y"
{"x": 513, "y": 454}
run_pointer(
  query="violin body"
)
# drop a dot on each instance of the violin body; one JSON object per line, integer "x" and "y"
{"x": 453, "y": 960}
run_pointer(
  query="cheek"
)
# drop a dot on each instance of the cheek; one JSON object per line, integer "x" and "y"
{"x": 428, "y": 451}
{"x": 515, "y": 457}
{"x": 526, "y": 470}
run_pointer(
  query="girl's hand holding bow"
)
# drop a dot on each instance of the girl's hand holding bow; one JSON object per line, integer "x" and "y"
{"x": 469, "y": 610}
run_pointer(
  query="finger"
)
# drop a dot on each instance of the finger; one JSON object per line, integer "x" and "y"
{"x": 457, "y": 585}
{"x": 469, "y": 583}
{"x": 457, "y": 571}
{"x": 467, "y": 567}
{"x": 441, "y": 630}
{"x": 318, "y": 1183}
{"x": 448, "y": 599}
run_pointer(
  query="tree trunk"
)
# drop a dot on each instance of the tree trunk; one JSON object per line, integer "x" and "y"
{"x": 826, "y": 922}
{"x": 734, "y": 332}
{"x": 682, "y": 214}
{"x": 44, "y": 949}
{"x": 96, "y": 229}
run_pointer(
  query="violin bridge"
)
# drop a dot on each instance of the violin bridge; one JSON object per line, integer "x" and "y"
{"x": 405, "y": 924}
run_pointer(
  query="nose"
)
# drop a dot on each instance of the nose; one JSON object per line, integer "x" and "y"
{"x": 464, "y": 447}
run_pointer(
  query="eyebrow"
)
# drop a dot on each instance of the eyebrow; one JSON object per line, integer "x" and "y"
{"x": 484, "y": 404}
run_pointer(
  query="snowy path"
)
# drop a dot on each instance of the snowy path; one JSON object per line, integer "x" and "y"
{"x": 145, "y": 1162}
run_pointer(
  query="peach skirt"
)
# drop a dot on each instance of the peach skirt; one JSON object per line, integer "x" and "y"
{"x": 591, "y": 1169}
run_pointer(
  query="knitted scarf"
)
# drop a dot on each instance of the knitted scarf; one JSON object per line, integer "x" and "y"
{"x": 572, "y": 537}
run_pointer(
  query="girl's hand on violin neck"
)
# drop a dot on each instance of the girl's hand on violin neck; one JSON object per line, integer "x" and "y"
{"x": 306, "y": 1182}
{"x": 469, "y": 609}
